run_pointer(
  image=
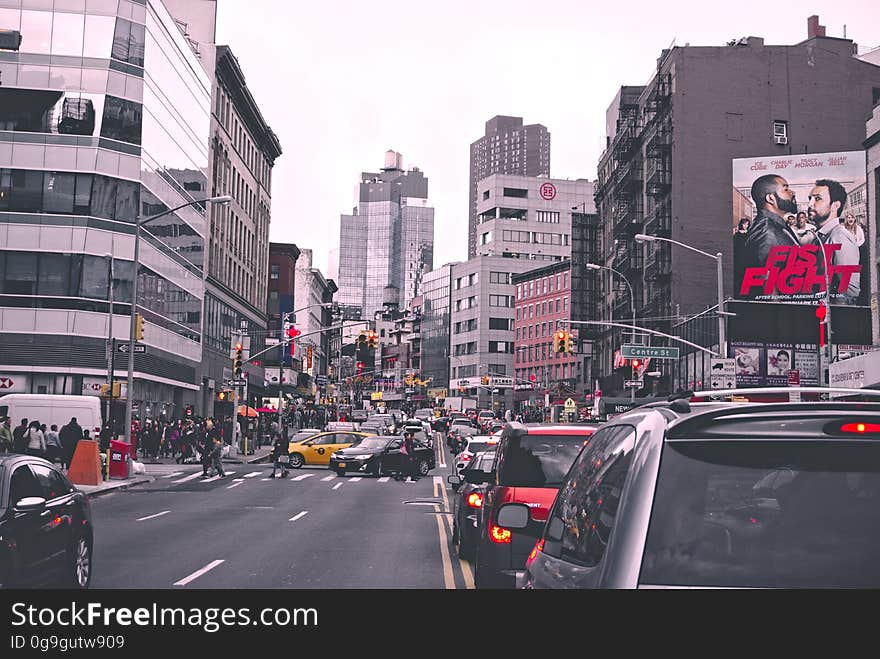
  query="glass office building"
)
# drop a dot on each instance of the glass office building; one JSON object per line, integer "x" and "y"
{"x": 104, "y": 115}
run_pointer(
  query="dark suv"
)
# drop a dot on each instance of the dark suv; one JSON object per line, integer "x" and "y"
{"x": 530, "y": 465}
{"x": 719, "y": 494}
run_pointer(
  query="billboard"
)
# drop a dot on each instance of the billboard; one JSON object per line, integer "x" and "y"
{"x": 767, "y": 364}
{"x": 799, "y": 226}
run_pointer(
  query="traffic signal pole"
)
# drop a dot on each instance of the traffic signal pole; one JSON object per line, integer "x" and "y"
{"x": 235, "y": 429}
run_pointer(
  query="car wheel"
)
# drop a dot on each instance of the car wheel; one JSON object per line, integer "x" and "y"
{"x": 296, "y": 461}
{"x": 424, "y": 467}
{"x": 378, "y": 471}
{"x": 80, "y": 564}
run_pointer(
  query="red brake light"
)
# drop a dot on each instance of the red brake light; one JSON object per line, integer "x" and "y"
{"x": 465, "y": 457}
{"x": 539, "y": 547}
{"x": 499, "y": 535}
{"x": 475, "y": 500}
{"x": 860, "y": 428}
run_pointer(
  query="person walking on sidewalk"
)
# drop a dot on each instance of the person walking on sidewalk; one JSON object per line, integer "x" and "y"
{"x": 53, "y": 444}
{"x": 69, "y": 436}
{"x": 36, "y": 441}
{"x": 5, "y": 436}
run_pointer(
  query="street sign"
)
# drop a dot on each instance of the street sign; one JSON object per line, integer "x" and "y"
{"x": 570, "y": 405}
{"x": 631, "y": 351}
{"x": 722, "y": 374}
{"x": 376, "y": 395}
{"x": 637, "y": 384}
{"x": 501, "y": 381}
{"x": 123, "y": 347}
{"x": 239, "y": 383}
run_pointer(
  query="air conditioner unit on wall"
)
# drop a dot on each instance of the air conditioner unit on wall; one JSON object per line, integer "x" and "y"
{"x": 780, "y": 139}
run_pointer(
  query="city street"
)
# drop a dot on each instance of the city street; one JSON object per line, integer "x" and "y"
{"x": 313, "y": 529}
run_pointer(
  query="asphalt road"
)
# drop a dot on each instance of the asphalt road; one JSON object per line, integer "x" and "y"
{"x": 310, "y": 530}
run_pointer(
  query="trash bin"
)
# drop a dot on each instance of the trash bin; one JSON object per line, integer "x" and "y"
{"x": 120, "y": 459}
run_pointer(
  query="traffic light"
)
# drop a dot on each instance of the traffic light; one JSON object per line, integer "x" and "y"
{"x": 484, "y": 379}
{"x": 138, "y": 327}
{"x": 237, "y": 362}
{"x": 635, "y": 369}
{"x": 372, "y": 339}
{"x": 566, "y": 343}
{"x": 559, "y": 341}
{"x": 360, "y": 367}
{"x": 821, "y": 313}
{"x": 292, "y": 332}
{"x": 223, "y": 396}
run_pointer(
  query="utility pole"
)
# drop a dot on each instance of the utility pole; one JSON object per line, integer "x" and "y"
{"x": 110, "y": 347}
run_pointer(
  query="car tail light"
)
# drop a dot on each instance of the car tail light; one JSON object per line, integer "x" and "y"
{"x": 499, "y": 535}
{"x": 475, "y": 500}
{"x": 465, "y": 457}
{"x": 860, "y": 428}
{"x": 539, "y": 547}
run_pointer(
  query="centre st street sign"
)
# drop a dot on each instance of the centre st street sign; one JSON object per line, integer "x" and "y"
{"x": 123, "y": 347}
{"x": 630, "y": 351}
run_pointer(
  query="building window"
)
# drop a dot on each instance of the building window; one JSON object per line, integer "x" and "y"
{"x": 516, "y": 192}
{"x": 498, "y": 369}
{"x": 780, "y": 132}
{"x": 500, "y": 278}
{"x": 551, "y": 217}
{"x": 274, "y": 271}
{"x": 486, "y": 238}
{"x": 501, "y": 323}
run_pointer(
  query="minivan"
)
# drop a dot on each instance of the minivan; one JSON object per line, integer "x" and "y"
{"x": 530, "y": 465}
{"x": 55, "y": 409}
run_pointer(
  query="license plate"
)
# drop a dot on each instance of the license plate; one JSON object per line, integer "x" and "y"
{"x": 341, "y": 465}
{"x": 283, "y": 458}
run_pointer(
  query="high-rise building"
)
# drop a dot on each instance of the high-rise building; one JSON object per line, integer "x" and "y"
{"x": 508, "y": 147}
{"x": 523, "y": 223}
{"x": 667, "y": 167}
{"x": 243, "y": 151}
{"x": 105, "y": 111}
{"x": 388, "y": 240}
{"x": 436, "y": 290}
{"x": 312, "y": 298}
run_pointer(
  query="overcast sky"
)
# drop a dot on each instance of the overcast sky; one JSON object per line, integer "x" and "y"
{"x": 340, "y": 82}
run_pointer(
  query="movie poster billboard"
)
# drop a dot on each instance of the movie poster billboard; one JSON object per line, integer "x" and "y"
{"x": 788, "y": 210}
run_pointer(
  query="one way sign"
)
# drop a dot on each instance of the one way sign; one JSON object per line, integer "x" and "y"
{"x": 138, "y": 347}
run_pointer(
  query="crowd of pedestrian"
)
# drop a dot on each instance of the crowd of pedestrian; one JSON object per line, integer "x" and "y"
{"x": 31, "y": 437}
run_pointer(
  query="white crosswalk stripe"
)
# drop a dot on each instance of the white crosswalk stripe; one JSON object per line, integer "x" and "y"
{"x": 329, "y": 478}
{"x": 187, "y": 478}
{"x": 384, "y": 479}
{"x": 252, "y": 474}
{"x": 173, "y": 474}
{"x": 354, "y": 479}
{"x": 303, "y": 477}
{"x": 238, "y": 481}
{"x": 337, "y": 486}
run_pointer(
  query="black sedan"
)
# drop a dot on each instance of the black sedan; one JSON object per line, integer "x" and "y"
{"x": 381, "y": 455}
{"x": 469, "y": 505}
{"x": 45, "y": 526}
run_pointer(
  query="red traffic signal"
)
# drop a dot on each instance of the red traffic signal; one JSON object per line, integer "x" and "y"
{"x": 293, "y": 332}
{"x": 635, "y": 363}
{"x": 533, "y": 377}
{"x": 360, "y": 367}
{"x": 821, "y": 312}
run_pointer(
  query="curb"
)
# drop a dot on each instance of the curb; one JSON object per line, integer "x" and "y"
{"x": 122, "y": 486}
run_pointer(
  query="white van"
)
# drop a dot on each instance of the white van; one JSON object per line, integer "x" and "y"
{"x": 52, "y": 408}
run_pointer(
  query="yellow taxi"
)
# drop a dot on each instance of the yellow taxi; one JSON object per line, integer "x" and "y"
{"x": 317, "y": 449}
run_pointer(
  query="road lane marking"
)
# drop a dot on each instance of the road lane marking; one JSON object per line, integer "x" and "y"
{"x": 252, "y": 474}
{"x": 384, "y": 479}
{"x": 448, "y": 576}
{"x": 187, "y": 478}
{"x": 354, "y": 479}
{"x": 329, "y": 478}
{"x": 164, "y": 512}
{"x": 302, "y": 478}
{"x": 298, "y": 516}
{"x": 337, "y": 486}
{"x": 466, "y": 572}
{"x": 173, "y": 474}
{"x": 266, "y": 479}
{"x": 198, "y": 573}
{"x": 238, "y": 481}
{"x": 210, "y": 480}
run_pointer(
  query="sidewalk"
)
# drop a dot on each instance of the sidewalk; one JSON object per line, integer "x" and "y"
{"x": 112, "y": 485}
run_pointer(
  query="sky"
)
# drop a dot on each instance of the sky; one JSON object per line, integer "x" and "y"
{"x": 341, "y": 82}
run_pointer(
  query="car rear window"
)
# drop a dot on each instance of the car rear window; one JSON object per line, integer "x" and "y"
{"x": 537, "y": 460}
{"x": 476, "y": 447}
{"x": 785, "y": 514}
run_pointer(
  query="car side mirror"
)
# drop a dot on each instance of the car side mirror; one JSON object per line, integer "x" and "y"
{"x": 513, "y": 516}
{"x": 454, "y": 481}
{"x": 477, "y": 477}
{"x": 30, "y": 504}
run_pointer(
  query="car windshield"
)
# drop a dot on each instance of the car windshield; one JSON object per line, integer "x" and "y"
{"x": 766, "y": 514}
{"x": 372, "y": 442}
{"x": 538, "y": 460}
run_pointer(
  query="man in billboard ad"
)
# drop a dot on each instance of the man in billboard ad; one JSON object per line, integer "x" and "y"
{"x": 799, "y": 205}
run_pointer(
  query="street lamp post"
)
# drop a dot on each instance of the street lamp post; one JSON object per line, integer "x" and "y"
{"x": 722, "y": 339}
{"x": 110, "y": 346}
{"x": 140, "y": 221}
{"x": 632, "y": 303}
